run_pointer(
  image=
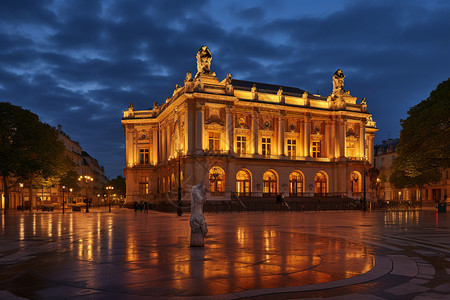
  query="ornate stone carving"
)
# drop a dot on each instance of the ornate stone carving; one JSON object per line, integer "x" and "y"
{"x": 131, "y": 107}
{"x": 338, "y": 82}
{"x": 198, "y": 85}
{"x": 363, "y": 105}
{"x": 204, "y": 58}
{"x": 254, "y": 92}
{"x": 188, "y": 76}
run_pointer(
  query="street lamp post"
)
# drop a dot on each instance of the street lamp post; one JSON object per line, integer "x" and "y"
{"x": 63, "y": 188}
{"x": 364, "y": 184}
{"x": 86, "y": 179}
{"x": 109, "y": 188}
{"x": 21, "y": 193}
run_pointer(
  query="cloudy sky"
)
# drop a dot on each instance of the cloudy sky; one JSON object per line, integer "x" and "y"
{"x": 79, "y": 63}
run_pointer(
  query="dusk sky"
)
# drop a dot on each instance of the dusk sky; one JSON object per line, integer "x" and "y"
{"x": 80, "y": 63}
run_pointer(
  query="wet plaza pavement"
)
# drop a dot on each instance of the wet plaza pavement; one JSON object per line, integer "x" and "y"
{"x": 124, "y": 255}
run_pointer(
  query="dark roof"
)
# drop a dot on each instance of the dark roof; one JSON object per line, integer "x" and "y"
{"x": 388, "y": 146}
{"x": 264, "y": 87}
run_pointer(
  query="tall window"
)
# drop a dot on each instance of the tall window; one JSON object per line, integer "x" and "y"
{"x": 295, "y": 184}
{"x": 214, "y": 141}
{"x": 143, "y": 186}
{"x": 316, "y": 149}
{"x": 143, "y": 156}
{"x": 320, "y": 184}
{"x": 241, "y": 144}
{"x": 269, "y": 183}
{"x": 265, "y": 143}
{"x": 243, "y": 183}
{"x": 216, "y": 181}
{"x": 291, "y": 147}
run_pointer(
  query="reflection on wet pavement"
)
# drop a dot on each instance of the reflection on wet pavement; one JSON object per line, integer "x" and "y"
{"x": 140, "y": 254}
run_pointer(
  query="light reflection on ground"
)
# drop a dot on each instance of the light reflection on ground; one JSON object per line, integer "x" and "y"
{"x": 150, "y": 255}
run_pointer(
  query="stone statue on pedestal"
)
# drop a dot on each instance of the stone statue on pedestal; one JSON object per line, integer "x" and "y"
{"x": 204, "y": 58}
{"x": 197, "y": 219}
{"x": 338, "y": 83}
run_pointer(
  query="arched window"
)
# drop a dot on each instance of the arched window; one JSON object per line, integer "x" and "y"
{"x": 173, "y": 188}
{"x": 296, "y": 184}
{"x": 355, "y": 181}
{"x": 243, "y": 183}
{"x": 216, "y": 181}
{"x": 270, "y": 183}
{"x": 320, "y": 184}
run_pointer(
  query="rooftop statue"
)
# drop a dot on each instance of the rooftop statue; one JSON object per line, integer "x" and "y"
{"x": 204, "y": 58}
{"x": 338, "y": 82}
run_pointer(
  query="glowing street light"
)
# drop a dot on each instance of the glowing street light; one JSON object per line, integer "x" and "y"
{"x": 21, "y": 192}
{"x": 109, "y": 188}
{"x": 63, "y": 188}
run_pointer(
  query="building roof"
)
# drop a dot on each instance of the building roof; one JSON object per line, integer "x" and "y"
{"x": 265, "y": 87}
{"x": 386, "y": 147}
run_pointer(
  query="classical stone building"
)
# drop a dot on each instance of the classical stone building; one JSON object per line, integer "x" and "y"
{"x": 385, "y": 154}
{"x": 248, "y": 138}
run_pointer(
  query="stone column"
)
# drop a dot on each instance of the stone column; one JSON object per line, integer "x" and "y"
{"x": 129, "y": 148}
{"x": 327, "y": 139}
{"x": 370, "y": 148}
{"x": 301, "y": 138}
{"x": 163, "y": 143}
{"x": 307, "y": 139}
{"x": 333, "y": 139}
{"x": 199, "y": 127}
{"x": 281, "y": 130}
{"x": 189, "y": 125}
{"x": 155, "y": 145}
{"x": 341, "y": 138}
{"x": 169, "y": 141}
{"x": 255, "y": 129}
{"x": 229, "y": 129}
{"x": 362, "y": 140}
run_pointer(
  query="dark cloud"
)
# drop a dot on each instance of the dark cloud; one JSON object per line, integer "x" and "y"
{"x": 79, "y": 63}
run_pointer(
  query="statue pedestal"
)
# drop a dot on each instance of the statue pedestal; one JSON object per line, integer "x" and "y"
{"x": 197, "y": 239}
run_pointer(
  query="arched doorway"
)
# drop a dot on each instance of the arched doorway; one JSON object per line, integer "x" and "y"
{"x": 216, "y": 181}
{"x": 270, "y": 183}
{"x": 320, "y": 184}
{"x": 243, "y": 183}
{"x": 355, "y": 181}
{"x": 296, "y": 184}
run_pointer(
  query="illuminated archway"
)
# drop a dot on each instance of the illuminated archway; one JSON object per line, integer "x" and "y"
{"x": 355, "y": 181}
{"x": 320, "y": 184}
{"x": 270, "y": 180}
{"x": 216, "y": 181}
{"x": 243, "y": 183}
{"x": 296, "y": 184}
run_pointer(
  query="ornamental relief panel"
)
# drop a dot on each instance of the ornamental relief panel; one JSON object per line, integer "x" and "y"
{"x": 215, "y": 127}
{"x": 266, "y": 122}
{"x": 214, "y": 115}
{"x": 317, "y": 127}
{"x": 242, "y": 121}
{"x": 292, "y": 125}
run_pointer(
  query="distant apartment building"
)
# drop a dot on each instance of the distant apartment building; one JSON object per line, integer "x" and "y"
{"x": 84, "y": 165}
{"x": 385, "y": 155}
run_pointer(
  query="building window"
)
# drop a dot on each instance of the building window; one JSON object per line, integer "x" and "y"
{"x": 320, "y": 184}
{"x": 295, "y": 184}
{"x": 243, "y": 183}
{"x": 265, "y": 144}
{"x": 214, "y": 141}
{"x": 143, "y": 186}
{"x": 316, "y": 149}
{"x": 216, "y": 181}
{"x": 241, "y": 144}
{"x": 143, "y": 156}
{"x": 269, "y": 183}
{"x": 291, "y": 147}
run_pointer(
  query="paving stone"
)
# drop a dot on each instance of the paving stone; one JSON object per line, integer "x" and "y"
{"x": 419, "y": 281}
{"x": 426, "y": 269}
{"x": 407, "y": 288}
{"x": 403, "y": 265}
{"x": 424, "y": 276}
{"x": 445, "y": 287}
{"x": 431, "y": 296}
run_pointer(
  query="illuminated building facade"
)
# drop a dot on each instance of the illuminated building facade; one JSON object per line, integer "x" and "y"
{"x": 248, "y": 138}
{"x": 428, "y": 194}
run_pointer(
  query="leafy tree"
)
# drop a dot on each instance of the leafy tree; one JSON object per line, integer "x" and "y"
{"x": 373, "y": 180}
{"x": 424, "y": 147}
{"x": 28, "y": 148}
{"x": 120, "y": 187}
